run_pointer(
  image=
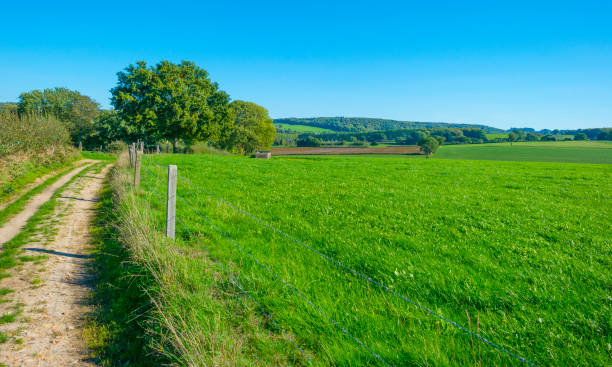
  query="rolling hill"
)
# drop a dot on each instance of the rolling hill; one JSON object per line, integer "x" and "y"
{"x": 355, "y": 124}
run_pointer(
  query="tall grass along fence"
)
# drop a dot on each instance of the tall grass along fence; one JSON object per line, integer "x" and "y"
{"x": 171, "y": 197}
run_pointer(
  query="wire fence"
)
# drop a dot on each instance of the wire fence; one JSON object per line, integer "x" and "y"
{"x": 327, "y": 258}
{"x": 233, "y": 279}
{"x": 274, "y": 275}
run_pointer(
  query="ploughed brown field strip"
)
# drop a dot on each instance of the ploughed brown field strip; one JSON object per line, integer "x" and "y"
{"x": 396, "y": 149}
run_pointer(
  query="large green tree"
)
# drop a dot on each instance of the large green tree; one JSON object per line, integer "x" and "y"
{"x": 74, "y": 109}
{"x": 429, "y": 146}
{"x": 253, "y": 129}
{"x": 172, "y": 101}
{"x": 512, "y": 137}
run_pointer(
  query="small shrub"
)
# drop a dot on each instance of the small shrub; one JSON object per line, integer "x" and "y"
{"x": 116, "y": 147}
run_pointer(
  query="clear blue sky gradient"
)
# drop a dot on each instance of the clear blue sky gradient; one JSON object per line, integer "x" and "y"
{"x": 535, "y": 64}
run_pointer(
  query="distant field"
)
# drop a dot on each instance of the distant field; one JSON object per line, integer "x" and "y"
{"x": 392, "y": 149}
{"x": 565, "y": 151}
{"x": 496, "y": 136}
{"x": 519, "y": 252}
{"x": 302, "y": 128}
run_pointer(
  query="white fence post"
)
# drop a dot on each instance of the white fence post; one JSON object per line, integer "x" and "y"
{"x": 171, "y": 201}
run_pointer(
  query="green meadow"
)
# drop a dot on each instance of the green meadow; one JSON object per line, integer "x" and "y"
{"x": 496, "y": 136}
{"x": 562, "y": 151}
{"x": 302, "y": 128}
{"x": 518, "y": 252}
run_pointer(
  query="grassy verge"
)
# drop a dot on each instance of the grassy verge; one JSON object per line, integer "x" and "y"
{"x": 186, "y": 311}
{"x": 116, "y": 329}
{"x": 99, "y": 156}
{"x": 16, "y": 176}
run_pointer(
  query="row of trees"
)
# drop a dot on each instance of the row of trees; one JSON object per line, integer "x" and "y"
{"x": 400, "y": 136}
{"x": 468, "y": 135}
{"x": 594, "y": 134}
{"x": 603, "y": 133}
{"x": 172, "y": 102}
{"x": 166, "y": 102}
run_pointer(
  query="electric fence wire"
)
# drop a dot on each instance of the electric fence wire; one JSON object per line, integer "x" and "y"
{"x": 293, "y": 289}
{"x": 235, "y": 282}
{"x": 384, "y": 287}
{"x": 274, "y": 275}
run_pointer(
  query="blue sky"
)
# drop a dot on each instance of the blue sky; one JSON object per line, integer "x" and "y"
{"x": 535, "y": 64}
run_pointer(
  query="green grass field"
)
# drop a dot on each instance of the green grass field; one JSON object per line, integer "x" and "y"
{"x": 303, "y": 128}
{"x": 562, "y": 151}
{"x": 496, "y": 136}
{"x": 516, "y": 251}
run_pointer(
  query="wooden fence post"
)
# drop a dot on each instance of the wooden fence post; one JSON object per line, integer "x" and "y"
{"x": 142, "y": 147}
{"x": 137, "y": 159}
{"x": 132, "y": 152}
{"x": 171, "y": 201}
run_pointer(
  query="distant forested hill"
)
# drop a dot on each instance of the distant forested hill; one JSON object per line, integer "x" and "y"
{"x": 360, "y": 124}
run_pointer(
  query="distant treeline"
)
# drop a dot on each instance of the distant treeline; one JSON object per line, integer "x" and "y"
{"x": 363, "y": 124}
{"x": 604, "y": 133}
{"x": 599, "y": 133}
{"x": 466, "y": 135}
{"x": 404, "y": 136}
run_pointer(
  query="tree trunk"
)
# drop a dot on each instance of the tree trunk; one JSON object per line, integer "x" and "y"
{"x": 174, "y": 145}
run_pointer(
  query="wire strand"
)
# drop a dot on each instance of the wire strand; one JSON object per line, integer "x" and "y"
{"x": 382, "y": 286}
{"x": 293, "y": 289}
{"x": 237, "y": 284}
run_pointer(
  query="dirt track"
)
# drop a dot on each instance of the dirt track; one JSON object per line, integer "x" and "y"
{"x": 11, "y": 228}
{"x": 53, "y": 293}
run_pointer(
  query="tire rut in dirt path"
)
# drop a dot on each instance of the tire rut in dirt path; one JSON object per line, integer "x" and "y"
{"x": 12, "y": 228}
{"x": 51, "y": 329}
{"x": 38, "y": 181}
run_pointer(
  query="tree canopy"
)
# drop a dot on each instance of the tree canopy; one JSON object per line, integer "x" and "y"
{"x": 69, "y": 106}
{"x": 309, "y": 141}
{"x": 512, "y": 137}
{"x": 172, "y": 101}
{"x": 108, "y": 127}
{"x": 580, "y": 136}
{"x": 429, "y": 145}
{"x": 252, "y": 129}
